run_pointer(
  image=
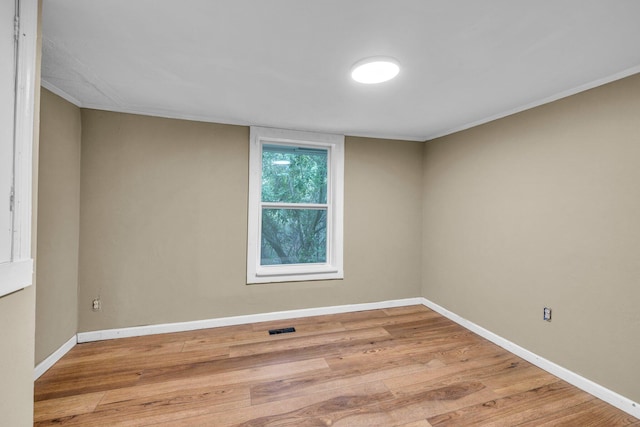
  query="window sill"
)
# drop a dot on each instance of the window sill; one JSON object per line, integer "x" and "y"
{"x": 329, "y": 273}
{"x": 15, "y": 276}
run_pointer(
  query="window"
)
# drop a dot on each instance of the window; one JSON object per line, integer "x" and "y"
{"x": 295, "y": 206}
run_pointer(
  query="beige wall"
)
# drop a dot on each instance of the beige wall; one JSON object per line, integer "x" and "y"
{"x": 58, "y": 224}
{"x": 16, "y": 358}
{"x": 164, "y": 224}
{"x": 543, "y": 209}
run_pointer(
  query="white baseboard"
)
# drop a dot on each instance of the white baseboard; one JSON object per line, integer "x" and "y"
{"x": 602, "y": 393}
{"x": 137, "y": 331}
{"x": 43, "y": 366}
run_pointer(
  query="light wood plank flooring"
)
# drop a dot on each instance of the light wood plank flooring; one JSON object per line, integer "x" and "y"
{"x": 404, "y": 366}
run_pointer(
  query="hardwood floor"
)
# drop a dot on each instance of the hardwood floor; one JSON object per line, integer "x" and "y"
{"x": 404, "y": 366}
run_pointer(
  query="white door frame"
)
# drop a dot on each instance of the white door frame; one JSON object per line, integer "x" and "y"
{"x": 18, "y": 273}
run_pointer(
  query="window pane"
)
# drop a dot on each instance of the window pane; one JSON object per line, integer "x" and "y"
{"x": 293, "y": 236}
{"x": 294, "y": 174}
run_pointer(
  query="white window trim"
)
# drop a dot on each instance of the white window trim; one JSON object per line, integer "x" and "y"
{"x": 333, "y": 268}
{"x": 18, "y": 273}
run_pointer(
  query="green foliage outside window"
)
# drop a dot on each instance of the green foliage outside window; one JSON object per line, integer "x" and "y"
{"x": 294, "y": 234}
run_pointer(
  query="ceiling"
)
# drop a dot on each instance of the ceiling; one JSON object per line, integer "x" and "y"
{"x": 286, "y": 63}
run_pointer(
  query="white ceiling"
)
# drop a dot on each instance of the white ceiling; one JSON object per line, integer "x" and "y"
{"x": 285, "y": 63}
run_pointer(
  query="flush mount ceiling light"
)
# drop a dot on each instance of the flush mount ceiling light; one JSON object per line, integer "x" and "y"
{"x": 375, "y": 70}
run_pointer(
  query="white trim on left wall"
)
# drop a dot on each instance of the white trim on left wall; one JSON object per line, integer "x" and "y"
{"x": 18, "y": 272}
{"x": 44, "y": 366}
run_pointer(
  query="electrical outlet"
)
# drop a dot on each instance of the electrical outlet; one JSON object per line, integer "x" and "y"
{"x": 96, "y": 305}
{"x": 546, "y": 314}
